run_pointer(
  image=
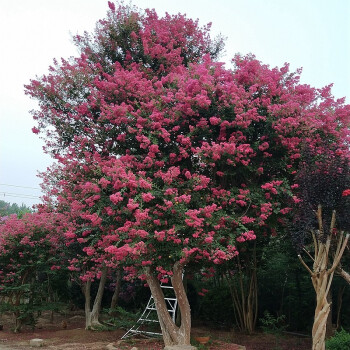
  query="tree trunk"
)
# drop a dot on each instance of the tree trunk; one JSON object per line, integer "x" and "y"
{"x": 86, "y": 288}
{"x": 321, "y": 283}
{"x": 244, "y": 294}
{"x": 115, "y": 297}
{"x": 92, "y": 316}
{"x": 322, "y": 275}
{"x": 172, "y": 334}
{"x": 18, "y": 322}
{"x": 178, "y": 314}
{"x": 339, "y": 305}
{"x": 329, "y": 324}
{"x": 17, "y": 314}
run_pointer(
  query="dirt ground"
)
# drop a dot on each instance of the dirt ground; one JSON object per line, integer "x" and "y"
{"x": 68, "y": 333}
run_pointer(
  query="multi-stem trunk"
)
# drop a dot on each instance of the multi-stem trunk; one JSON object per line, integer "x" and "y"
{"x": 244, "y": 293}
{"x": 172, "y": 335}
{"x": 92, "y": 315}
{"x": 322, "y": 275}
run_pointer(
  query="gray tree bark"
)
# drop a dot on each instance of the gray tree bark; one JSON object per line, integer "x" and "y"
{"x": 92, "y": 315}
{"x": 172, "y": 335}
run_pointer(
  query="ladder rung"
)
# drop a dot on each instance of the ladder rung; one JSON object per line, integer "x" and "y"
{"x": 147, "y": 320}
{"x": 144, "y": 332}
{"x": 151, "y": 306}
{"x": 154, "y": 309}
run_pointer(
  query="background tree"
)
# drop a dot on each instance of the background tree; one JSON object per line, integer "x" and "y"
{"x": 66, "y": 189}
{"x": 8, "y": 209}
{"x": 323, "y": 212}
{"x": 30, "y": 259}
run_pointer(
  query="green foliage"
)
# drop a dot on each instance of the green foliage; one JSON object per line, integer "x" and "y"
{"x": 123, "y": 319}
{"x": 216, "y": 306}
{"x": 200, "y": 346}
{"x": 273, "y": 325}
{"x": 340, "y": 341}
{"x": 8, "y": 209}
{"x": 27, "y": 301}
{"x": 284, "y": 285}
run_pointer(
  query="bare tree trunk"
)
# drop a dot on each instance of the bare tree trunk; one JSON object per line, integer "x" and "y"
{"x": 86, "y": 288}
{"x": 92, "y": 316}
{"x": 339, "y": 305}
{"x": 172, "y": 334}
{"x": 329, "y": 323}
{"x": 18, "y": 322}
{"x": 116, "y": 292}
{"x": 244, "y": 294}
{"x": 178, "y": 314}
{"x": 321, "y": 283}
{"x": 322, "y": 276}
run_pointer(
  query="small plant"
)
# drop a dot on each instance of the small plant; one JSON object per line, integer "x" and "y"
{"x": 123, "y": 319}
{"x": 201, "y": 343}
{"x": 273, "y": 325}
{"x": 340, "y": 341}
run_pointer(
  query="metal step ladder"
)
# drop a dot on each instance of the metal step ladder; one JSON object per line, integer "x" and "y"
{"x": 150, "y": 317}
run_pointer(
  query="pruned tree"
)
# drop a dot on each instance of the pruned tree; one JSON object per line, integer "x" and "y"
{"x": 323, "y": 213}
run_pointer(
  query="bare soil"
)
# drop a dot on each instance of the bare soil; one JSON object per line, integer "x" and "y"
{"x": 67, "y": 332}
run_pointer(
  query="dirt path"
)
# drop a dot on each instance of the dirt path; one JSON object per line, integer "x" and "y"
{"x": 67, "y": 332}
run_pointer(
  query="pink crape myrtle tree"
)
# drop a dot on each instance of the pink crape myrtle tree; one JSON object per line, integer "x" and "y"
{"x": 30, "y": 259}
{"x": 66, "y": 189}
{"x": 185, "y": 157}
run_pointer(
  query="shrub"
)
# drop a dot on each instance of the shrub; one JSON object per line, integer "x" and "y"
{"x": 340, "y": 341}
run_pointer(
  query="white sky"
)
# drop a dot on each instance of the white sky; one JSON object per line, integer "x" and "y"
{"x": 313, "y": 34}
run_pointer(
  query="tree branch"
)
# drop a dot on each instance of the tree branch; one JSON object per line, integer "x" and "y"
{"x": 304, "y": 264}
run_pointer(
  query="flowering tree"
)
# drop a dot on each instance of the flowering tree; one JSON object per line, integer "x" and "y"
{"x": 30, "y": 254}
{"x": 66, "y": 188}
{"x": 185, "y": 158}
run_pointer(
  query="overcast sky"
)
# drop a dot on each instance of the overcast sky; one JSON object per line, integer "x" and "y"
{"x": 313, "y": 34}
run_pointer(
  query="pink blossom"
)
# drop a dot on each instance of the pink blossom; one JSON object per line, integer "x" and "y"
{"x": 89, "y": 251}
{"x": 111, "y": 6}
{"x": 346, "y": 193}
{"x": 285, "y": 210}
{"x": 247, "y": 220}
{"x": 132, "y": 204}
{"x": 147, "y": 197}
{"x": 264, "y": 146}
{"x": 116, "y": 198}
{"x": 104, "y": 182}
{"x": 208, "y": 239}
{"x": 183, "y": 198}
{"x": 214, "y": 120}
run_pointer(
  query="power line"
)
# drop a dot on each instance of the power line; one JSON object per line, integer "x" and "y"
{"x": 20, "y": 195}
{"x": 33, "y": 188}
